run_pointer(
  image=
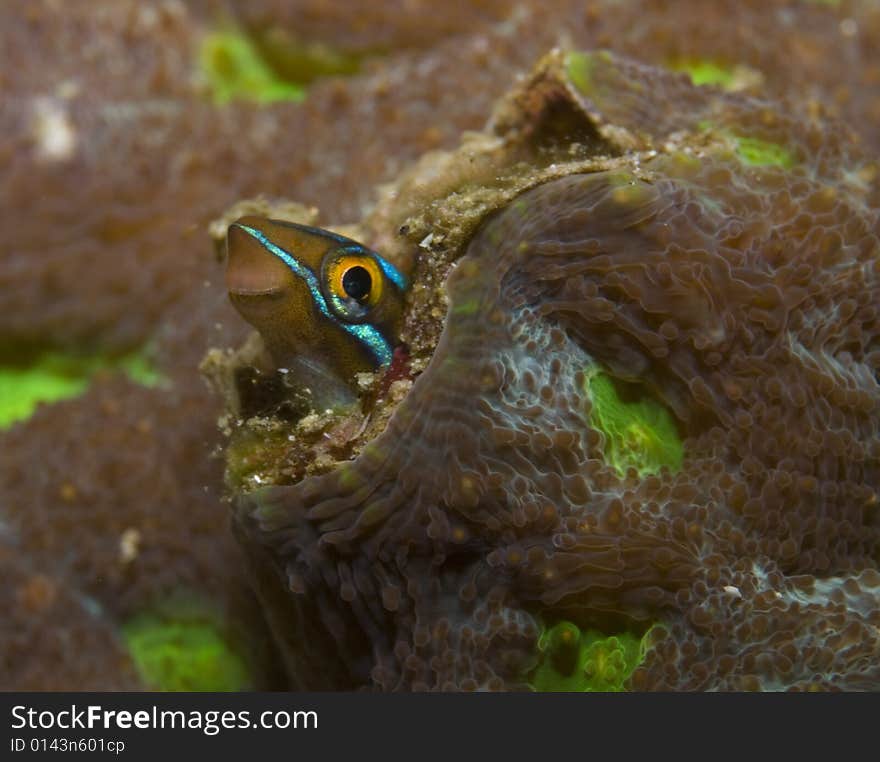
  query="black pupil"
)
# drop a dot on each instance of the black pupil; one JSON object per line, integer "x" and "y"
{"x": 356, "y": 282}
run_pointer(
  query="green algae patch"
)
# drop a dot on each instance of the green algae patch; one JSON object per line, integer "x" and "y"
{"x": 582, "y": 69}
{"x": 579, "y": 68}
{"x": 709, "y": 72}
{"x": 575, "y": 660}
{"x": 54, "y": 376}
{"x": 640, "y": 434}
{"x": 257, "y": 454}
{"x": 235, "y": 70}
{"x": 751, "y": 151}
{"x": 184, "y": 655}
{"x": 139, "y": 368}
{"x": 762, "y": 153}
{"x": 22, "y": 389}
{"x": 706, "y": 72}
{"x": 599, "y": 77}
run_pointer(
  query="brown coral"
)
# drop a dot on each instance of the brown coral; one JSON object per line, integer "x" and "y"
{"x": 723, "y": 264}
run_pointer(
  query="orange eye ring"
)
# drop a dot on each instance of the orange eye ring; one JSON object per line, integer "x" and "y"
{"x": 355, "y": 277}
{"x": 354, "y": 284}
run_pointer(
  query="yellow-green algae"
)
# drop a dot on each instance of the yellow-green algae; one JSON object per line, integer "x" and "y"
{"x": 575, "y": 660}
{"x": 639, "y": 434}
{"x": 762, "y": 153}
{"x": 55, "y": 376}
{"x": 752, "y": 151}
{"x": 706, "y": 72}
{"x": 579, "y": 67}
{"x": 234, "y": 69}
{"x": 184, "y": 654}
{"x": 257, "y": 455}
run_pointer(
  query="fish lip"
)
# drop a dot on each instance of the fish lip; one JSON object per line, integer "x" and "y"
{"x": 272, "y": 291}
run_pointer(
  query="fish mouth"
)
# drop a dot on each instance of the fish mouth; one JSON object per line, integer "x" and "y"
{"x": 251, "y": 270}
{"x": 273, "y": 292}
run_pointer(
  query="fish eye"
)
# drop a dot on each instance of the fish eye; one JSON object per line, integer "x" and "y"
{"x": 357, "y": 282}
{"x": 352, "y": 284}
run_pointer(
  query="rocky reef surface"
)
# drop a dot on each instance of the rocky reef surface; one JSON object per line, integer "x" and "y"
{"x": 683, "y": 495}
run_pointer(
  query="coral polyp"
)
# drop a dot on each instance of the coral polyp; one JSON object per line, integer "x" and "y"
{"x": 575, "y": 661}
{"x": 639, "y": 434}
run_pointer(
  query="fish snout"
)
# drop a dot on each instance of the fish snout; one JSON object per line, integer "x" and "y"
{"x": 251, "y": 270}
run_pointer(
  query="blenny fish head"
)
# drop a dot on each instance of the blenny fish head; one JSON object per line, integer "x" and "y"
{"x": 326, "y": 306}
